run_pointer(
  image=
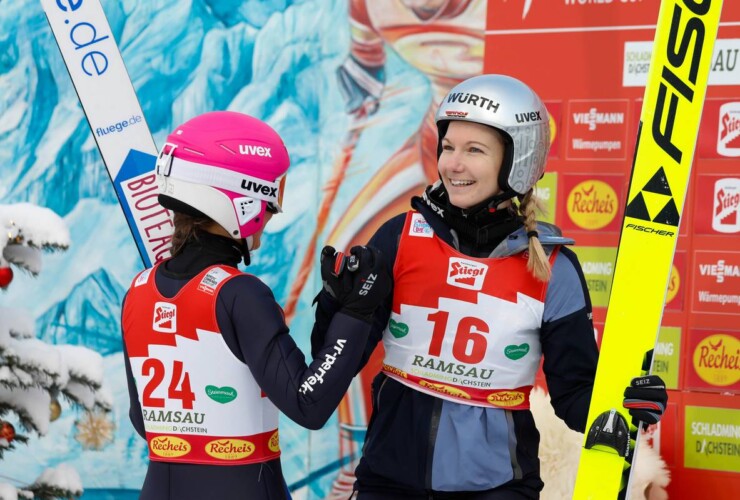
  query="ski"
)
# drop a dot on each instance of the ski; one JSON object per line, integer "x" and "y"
{"x": 113, "y": 112}
{"x": 669, "y": 124}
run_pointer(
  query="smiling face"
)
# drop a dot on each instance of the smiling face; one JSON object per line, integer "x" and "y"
{"x": 470, "y": 162}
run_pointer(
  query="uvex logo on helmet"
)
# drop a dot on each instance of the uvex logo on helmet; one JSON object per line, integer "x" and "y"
{"x": 464, "y": 273}
{"x": 165, "y": 317}
{"x": 248, "y": 149}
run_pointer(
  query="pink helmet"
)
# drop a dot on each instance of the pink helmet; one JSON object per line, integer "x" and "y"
{"x": 226, "y": 165}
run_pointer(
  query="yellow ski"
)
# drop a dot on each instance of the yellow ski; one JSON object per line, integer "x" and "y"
{"x": 669, "y": 123}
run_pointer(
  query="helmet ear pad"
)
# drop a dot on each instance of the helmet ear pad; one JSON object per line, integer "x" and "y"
{"x": 503, "y": 174}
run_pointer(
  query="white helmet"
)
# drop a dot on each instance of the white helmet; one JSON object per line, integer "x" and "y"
{"x": 512, "y": 108}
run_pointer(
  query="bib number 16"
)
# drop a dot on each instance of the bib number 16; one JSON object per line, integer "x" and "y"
{"x": 470, "y": 343}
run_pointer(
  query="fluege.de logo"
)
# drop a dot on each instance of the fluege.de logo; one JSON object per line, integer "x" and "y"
{"x": 464, "y": 273}
{"x": 165, "y": 317}
{"x": 118, "y": 126}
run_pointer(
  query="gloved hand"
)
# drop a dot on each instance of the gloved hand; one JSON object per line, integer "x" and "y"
{"x": 646, "y": 400}
{"x": 358, "y": 281}
{"x": 361, "y": 86}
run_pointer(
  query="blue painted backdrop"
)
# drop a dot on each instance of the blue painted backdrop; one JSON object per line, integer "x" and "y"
{"x": 274, "y": 59}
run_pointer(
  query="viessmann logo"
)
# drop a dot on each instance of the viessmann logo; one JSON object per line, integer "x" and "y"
{"x": 717, "y": 360}
{"x": 593, "y": 118}
{"x": 721, "y": 270}
{"x": 165, "y": 317}
{"x": 464, "y": 273}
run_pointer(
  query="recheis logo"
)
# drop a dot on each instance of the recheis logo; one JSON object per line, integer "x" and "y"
{"x": 592, "y": 204}
{"x": 230, "y": 449}
{"x": 728, "y": 137}
{"x": 169, "y": 446}
{"x": 717, "y": 360}
{"x": 726, "y": 213}
{"x": 165, "y": 317}
{"x": 464, "y": 273}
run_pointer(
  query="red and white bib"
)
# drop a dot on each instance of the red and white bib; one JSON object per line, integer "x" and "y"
{"x": 200, "y": 403}
{"x": 462, "y": 328}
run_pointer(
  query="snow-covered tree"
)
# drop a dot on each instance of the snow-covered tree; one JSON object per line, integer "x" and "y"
{"x": 34, "y": 375}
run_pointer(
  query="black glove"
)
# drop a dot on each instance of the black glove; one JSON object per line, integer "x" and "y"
{"x": 358, "y": 281}
{"x": 646, "y": 399}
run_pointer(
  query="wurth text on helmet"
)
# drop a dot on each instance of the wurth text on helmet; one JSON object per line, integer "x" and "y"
{"x": 84, "y": 35}
{"x": 473, "y": 99}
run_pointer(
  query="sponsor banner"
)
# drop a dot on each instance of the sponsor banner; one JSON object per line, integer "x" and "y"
{"x": 592, "y": 202}
{"x": 712, "y": 438}
{"x": 717, "y": 206}
{"x": 598, "y": 269}
{"x": 569, "y": 14}
{"x": 716, "y": 282}
{"x": 597, "y": 129}
{"x": 555, "y": 111}
{"x": 546, "y": 189}
{"x": 720, "y": 129}
{"x": 713, "y": 360}
{"x": 676, "y": 283}
{"x": 723, "y": 69}
{"x": 667, "y": 356}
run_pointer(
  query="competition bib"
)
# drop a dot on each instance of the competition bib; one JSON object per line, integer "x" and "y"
{"x": 462, "y": 328}
{"x": 200, "y": 403}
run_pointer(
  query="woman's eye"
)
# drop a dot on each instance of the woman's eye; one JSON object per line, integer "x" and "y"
{"x": 447, "y": 147}
{"x": 473, "y": 149}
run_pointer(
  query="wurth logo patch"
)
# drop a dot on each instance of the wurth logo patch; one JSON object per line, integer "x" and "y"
{"x": 165, "y": 317}
{"x": 464, "y": 273}
{"x": 249, "y": 150}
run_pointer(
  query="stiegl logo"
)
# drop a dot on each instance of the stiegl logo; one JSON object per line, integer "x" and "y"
{"x": 726, "y": 213}
{"x": 464, "y": 273}
{"x": 728, "y": 136}
{"x": 165, "y": 317}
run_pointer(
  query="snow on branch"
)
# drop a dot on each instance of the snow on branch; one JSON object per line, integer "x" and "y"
{"x": 25, "y": 230}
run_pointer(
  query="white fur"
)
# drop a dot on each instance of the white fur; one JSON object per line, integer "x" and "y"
{"x": 560, "y": 449}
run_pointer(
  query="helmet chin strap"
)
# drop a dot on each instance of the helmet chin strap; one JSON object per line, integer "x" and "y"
{"x": 245, "y": 245}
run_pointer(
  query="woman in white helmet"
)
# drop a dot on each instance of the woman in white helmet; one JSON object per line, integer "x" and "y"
{"x": 208, "y": 356}
{"x": 482, "y": 291}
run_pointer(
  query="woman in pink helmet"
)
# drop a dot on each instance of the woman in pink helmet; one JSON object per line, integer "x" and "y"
{"x": 209, "y": 359}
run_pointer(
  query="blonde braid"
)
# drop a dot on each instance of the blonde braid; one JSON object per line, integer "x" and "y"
{"x": 538, "y": 263}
